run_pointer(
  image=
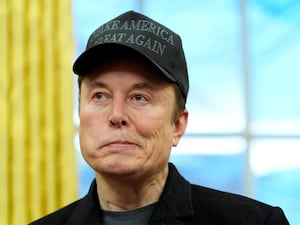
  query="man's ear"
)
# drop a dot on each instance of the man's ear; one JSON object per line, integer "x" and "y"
{"x": 180, "y": 126}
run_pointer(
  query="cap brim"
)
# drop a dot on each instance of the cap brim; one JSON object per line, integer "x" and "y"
{"x": 92, "y": 57}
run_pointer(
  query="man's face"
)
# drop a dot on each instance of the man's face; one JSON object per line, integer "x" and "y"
{"x": 126, "y": 125}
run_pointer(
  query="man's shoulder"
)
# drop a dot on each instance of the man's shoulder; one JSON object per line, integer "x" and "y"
{"x": 233, "y": 207}
{"x": 216, "y": 198}
{"x": 57, "y": 217}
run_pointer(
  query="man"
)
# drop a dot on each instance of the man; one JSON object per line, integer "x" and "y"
{"x": 133, "y": 85}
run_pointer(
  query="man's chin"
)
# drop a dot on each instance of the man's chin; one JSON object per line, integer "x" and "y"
{"x": 117, "y": 169}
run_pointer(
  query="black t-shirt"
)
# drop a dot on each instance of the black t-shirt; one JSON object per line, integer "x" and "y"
{"x": 138, "y": 216}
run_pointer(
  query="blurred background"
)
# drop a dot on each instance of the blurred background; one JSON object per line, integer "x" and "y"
{"x": 243, "y": 134}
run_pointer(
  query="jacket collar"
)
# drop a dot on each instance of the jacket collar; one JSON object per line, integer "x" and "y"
{"x": 175, "y": 202}
{"x": 88, "y": 210}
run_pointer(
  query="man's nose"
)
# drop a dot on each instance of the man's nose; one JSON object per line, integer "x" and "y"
{"x": 119, "y": 114}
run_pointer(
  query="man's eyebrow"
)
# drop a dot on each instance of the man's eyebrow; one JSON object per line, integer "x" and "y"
{"x": 143, "y": 85}
{"x": 140, "y": 85}
{"x": 95, "y": 84}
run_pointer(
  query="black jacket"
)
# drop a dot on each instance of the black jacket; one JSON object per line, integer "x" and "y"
{"x": 180, "y": 203}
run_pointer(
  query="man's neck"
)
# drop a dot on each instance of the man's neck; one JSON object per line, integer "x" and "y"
{"x": 122, "y": 195}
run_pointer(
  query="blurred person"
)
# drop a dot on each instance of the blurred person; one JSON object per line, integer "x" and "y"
{"x": 133, "y": 85}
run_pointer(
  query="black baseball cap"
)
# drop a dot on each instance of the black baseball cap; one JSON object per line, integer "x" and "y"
{"x": 137, "y": 32}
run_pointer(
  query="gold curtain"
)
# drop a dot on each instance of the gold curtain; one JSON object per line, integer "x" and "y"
{"x": 37, "y": 158}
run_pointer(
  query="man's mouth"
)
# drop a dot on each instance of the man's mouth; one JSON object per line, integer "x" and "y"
{"x": 120, "y": 144}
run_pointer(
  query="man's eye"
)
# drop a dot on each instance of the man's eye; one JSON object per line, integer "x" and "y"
{"x": 139, "y": 97}
{"x": 98, "y": 96}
